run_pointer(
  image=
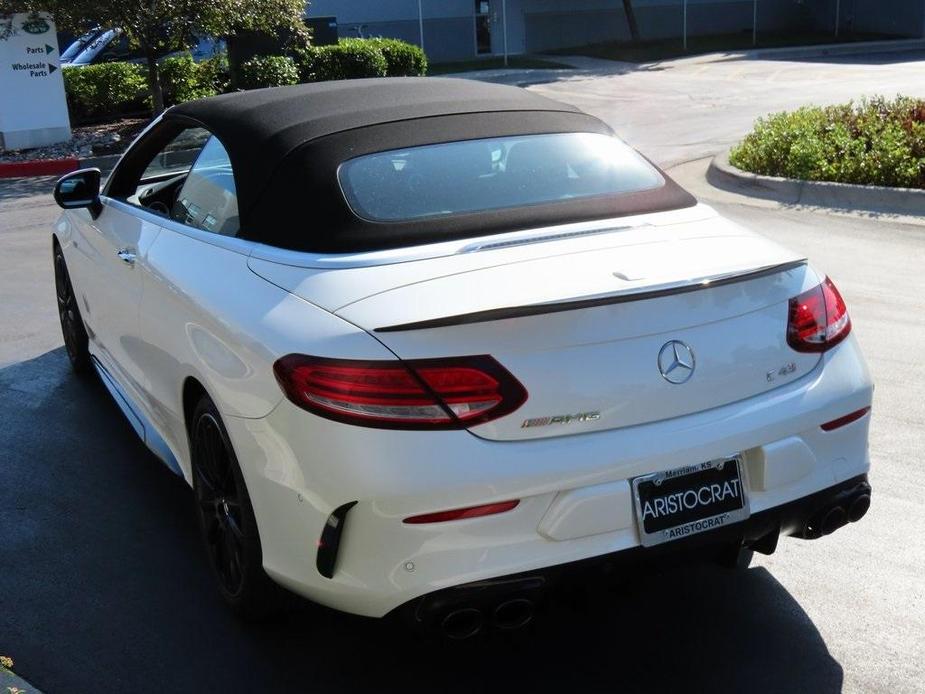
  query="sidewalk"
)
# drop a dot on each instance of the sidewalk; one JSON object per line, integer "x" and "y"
{"x": 785, "y": 53}
{"x": 581, "y": 66}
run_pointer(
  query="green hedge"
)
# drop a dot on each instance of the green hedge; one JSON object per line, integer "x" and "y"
{"x": 108, "y": 89}
{"x": 183, "y": 79}
{"x": 402, "y": 59}
{"x": 269, "y": 71}
{"x": 358, "y": 58}
{"x": 114, "y": 89}
{"x": 341, "y": 62}
{"x": 875, "y": 142}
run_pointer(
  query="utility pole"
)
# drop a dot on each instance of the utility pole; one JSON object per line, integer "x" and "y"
{"x": 504, "y": 22}
{"x": 631, "y": 19}
{"x": 421, "y": 22}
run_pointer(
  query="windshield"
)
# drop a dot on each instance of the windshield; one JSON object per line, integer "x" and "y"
{"x": 490, "y": 174}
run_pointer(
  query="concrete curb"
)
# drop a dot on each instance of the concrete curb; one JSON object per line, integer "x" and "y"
{"x": 853, "y": 48}
{"x": 55, "y": 167}
{"x": 844, "y": 196}
{"x": 795, "y": 52}
{"x": 59, "y": 167}
{"x": 38, "y": 167}
{"x": 10, "y": 682}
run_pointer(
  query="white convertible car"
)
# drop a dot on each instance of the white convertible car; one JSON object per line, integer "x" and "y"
{"x": 429, "y": 346}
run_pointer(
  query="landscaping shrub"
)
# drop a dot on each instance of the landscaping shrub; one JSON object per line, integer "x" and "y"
{"x": 183, "y": 79}
{"x": 269, "y": 71}
{"x": 403, "y": 59}
{"x": 109, "y": 89}
{"x": 216, "y": 73}
{"x": 874, "y": 142}
{"x": 350, "y": 59}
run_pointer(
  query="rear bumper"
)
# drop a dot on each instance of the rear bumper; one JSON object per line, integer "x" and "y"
{"x": 574, "y": 491}
{"x": 760, "y": 531}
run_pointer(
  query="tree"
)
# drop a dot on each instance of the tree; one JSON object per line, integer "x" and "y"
{"x": 160, "y": 27}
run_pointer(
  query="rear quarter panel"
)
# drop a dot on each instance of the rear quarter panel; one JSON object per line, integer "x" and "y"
{"x": 205, "y": 315}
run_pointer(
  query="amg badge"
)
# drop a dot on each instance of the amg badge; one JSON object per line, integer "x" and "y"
{"x": 561, "y": 419}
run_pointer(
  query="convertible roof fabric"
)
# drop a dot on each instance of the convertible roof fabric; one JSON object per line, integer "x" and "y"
{"x": 286, "y": 143}
{"x": 260, "y": 127}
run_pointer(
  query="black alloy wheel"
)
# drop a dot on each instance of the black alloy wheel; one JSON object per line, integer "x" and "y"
{"x": 72, "y": 325}
{"x": 226, "y": 517}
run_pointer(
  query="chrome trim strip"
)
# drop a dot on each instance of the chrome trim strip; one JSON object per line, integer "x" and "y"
{"x": 142, "y": 426}
{"x": 575, "y": 304}
{"x": 230, "y": 243}
{"x": 542, "y": 238}
{"x": 442, "y": 249}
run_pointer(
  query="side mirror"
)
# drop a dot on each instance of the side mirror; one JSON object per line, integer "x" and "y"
{"x": 79, "y": 189}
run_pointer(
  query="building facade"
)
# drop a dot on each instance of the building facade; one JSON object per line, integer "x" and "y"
{"x": 464, "y": 29}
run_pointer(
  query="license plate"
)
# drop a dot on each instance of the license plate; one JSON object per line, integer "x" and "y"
{"x": 678, "y": 503}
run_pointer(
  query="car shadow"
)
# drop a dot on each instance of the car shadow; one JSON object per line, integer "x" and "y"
{"x": 104, "y": 588}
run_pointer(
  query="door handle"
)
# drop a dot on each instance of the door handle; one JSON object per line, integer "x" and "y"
{"x": 127, "y": 255}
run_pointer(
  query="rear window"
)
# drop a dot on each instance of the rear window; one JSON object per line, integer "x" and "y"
{"x": 491, "y": 174}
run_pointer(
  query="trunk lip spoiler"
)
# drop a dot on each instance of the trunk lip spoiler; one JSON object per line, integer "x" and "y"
{"x": 496, "y": 314}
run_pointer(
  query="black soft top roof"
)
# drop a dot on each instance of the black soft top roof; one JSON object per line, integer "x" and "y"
{"x": 260, "y": 127}
{"x": 286, "y": 143}
{"x": 274, "y": 121}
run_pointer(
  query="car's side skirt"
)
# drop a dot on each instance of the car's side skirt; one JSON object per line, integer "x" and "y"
{"x": 140, "y": 423}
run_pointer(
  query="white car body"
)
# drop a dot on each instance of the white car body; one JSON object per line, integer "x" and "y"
{"x": 222, "y": 311}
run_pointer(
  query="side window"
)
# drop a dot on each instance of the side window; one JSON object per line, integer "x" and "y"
{"x": 152, "y": 172}
{"x": 208, "y": 199}
{"x": 178, "y": 155}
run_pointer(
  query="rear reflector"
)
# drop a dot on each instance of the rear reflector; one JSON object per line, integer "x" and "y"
{"x": 847, "y": 419}
{"x": 460, "y": 513}
{"x": 818, "y": 319}
{"x": 424, "y": 394}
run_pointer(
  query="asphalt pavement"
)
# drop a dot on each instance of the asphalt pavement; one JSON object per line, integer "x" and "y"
{"x": 104, "y": 587}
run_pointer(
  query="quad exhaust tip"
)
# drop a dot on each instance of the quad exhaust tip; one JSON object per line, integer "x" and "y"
{"x": 835, "y": 518}
{"x": 508, "y": 615}
{"x": 846, "y": 508}
{"x": 513, "y": 614}
{"x": 462, "y": 624}
{"x": 858, "y": 508}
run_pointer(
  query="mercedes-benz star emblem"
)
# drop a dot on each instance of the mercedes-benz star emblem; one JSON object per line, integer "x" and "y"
{"x": 676, "y": 362}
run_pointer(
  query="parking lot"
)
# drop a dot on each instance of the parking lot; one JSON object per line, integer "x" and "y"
{"x": 104, "y": 587}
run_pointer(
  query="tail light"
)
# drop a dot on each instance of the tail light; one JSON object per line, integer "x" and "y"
{"x": 450, "y": 393}
{"x": 818, "y": 319}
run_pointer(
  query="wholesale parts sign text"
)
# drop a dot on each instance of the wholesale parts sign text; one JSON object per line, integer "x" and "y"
{"x": 33, "y": 110}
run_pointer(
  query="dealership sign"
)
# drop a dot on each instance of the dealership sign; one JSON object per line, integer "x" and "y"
{"x": 33, "y": 109}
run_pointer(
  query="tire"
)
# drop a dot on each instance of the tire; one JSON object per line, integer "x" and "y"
{"x": 72, "y": 325}
{"x": 226, "y": 519}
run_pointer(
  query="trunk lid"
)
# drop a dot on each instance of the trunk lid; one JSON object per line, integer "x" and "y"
{"x": 588, "y": 325}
